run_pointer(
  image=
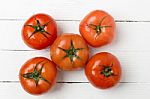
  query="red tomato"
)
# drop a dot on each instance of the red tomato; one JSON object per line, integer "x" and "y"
{"x": 37, "y": 75}
{"x": 69, "y": 52}
{"x": 103, "y": 70}
{"x": 97, "y": 28}
{"x": 39, "y": 31}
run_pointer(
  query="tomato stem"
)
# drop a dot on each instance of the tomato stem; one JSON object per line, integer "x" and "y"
{"x": 38, "y": 28}
{"x": 71, "y": 52}
{"x": 36, "y": 74}
{"x": 107, "y": 71}
{"x": 98, "y": 28}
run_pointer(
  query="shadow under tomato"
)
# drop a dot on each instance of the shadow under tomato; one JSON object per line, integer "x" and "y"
{"x": 59, "y": 29}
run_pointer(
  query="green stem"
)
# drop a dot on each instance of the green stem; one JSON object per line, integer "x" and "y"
{"x": 107, "y": 71}
{"x": 38, "y": 28}
{"x": 71, "y": 52}
{"x": 36, "y": 74}
{"x": 98, "y": 28}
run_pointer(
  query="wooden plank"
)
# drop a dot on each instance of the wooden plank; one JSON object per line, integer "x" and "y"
{"x": 130, "y": 36}
{"x": 75, "y": 9}
{"x": 130, "y": 46}
{"x": 134, "y": 65}
{"x": 80, "y": 90}
{"x": 12, "y": 36}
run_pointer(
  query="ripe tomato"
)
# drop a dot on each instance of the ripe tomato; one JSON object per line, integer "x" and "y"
{"x": 97, "y": 28}
{"x": 103, "y": 70}
{"x": 69, "y": 52}
{"x": 39, "y": 31}
{"x": 37, "y": 75}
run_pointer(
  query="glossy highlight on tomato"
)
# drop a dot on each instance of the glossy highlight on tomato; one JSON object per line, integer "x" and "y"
{"x": 97, "y": 28}
{"x": 69, "y": 51}
{"x": 103, "y": 70}
{"x": 37, "y": 75}
{"x": 39, "y": 31}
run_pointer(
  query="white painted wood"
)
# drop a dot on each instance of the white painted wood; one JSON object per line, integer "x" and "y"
{"x": 75, "y": 9}
{"x": 131, "y": 46}
{"x": 134, "y": 65}
{"x": 80, "y": 91}
{"x": 129, "y": 36}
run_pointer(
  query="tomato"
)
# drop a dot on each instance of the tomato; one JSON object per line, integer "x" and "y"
{"x": 39, "y": 31}
{"x": 97, "y": 28}
{"x": 103, "y": 70}
{"x": 37, "y": 75}
{"x": 69, "y": 52}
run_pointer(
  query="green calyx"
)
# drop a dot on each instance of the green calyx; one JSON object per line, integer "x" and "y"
{"x": 71, "y": 52}
{"x": 36, "y": 75}
{"x": 38, "y": 28}
{"x": 107, "y": 71}
{"x": 98, "y": 28}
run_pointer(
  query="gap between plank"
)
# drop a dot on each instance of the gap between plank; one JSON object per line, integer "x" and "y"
{"x": 126, "y": 21}
{"x": 21, "y": 50}
{"x": 16, "y": 50}
{"x": 69, "y": 82}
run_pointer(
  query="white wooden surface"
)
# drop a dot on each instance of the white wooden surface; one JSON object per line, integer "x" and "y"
{"x": 131, "y": 46}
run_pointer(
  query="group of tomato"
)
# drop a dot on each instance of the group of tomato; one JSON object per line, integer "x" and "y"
{"x": 69, "y": 51}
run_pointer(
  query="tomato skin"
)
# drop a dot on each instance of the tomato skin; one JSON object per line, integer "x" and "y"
{"x": 103, "y": 35}
{"x": 64, "y": 42}
{"x": 39, "y": 40}
{"x": 49, "y": 72}
{"x": 94, "y": 70}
